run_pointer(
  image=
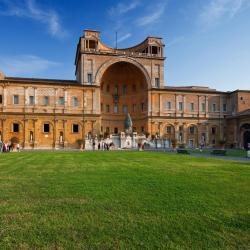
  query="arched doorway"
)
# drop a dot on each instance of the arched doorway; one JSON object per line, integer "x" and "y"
{"x": 245, "y": 133}
{"x": 246, "y": 138}
{"x": 123, "y": 90}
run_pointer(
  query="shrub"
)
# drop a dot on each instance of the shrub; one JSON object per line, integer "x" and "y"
{"x": 219, "y": 152}
{"x": 183, "y": 151}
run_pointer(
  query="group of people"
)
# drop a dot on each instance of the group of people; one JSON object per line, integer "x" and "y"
{"x": 103, "y": 145}
{"x": 8, "y": 147}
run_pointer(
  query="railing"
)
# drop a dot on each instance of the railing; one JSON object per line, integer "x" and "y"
{"x": 119, "y": 52}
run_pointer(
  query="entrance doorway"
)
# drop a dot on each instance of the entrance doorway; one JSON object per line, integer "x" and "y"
{"x": 246, "y": 138}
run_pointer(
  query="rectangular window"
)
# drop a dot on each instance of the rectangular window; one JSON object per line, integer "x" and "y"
{"x": 214, "y": 107}
{"x": 1, "y": 99}
{"x": 46, "y": 128}
{"x": 124, "y": 89}
{"x": 180, "y": 106}
{"x": 15, "y": 127}
{"x": 115, "y": 108}
{"x": 16, "y": 99}
{"x": 224, "y": 107}
{"x": 203, "y": 107}
{"x": 45, "y": 100}
{"x": 213, "y": 131}
{"x": 116, "y": 89}
{"x": 134, "y": 107}
{"x": 192, "y": 107}
{"x": 75, "y": 128}
{"x": 90, "y": 78}
{"x": 191, "y": 130}
{"x": 142, "y": 107}
{"x": 107, "y": 108}
{"x": 168, "y": 130}
{"x": 157, "y": 82}
{"x": 61, "y": 100}
{"x": 169, "y": 105}
{"x": 31, "y": 100}
{"x": 125, "y": 109}
{"x": 75, "y": 101}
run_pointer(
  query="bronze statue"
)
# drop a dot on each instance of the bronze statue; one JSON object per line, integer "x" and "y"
{"x": 128, "y": 124}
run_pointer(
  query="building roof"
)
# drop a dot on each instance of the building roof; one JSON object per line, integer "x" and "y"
{"x": 39, "y": 81}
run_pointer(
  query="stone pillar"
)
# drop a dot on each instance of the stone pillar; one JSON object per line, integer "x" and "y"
{"x": 3, "y": 128}
{"x": 184, "y": 103}
{"x": 207, "y": 135}
{"x": 176, "y": 132}
{"x": 160, "y": 104}
{"x": 35, "y": 97}
{"x": 185, "y": 133}
{"x": 64, "y": 133}
{"x": 35, "y": 133}
{"x": 4, "y": 96}
{"x": 207, "y": 106}
{"x": 25, "y": 142}
{"x": 55, "y": 138}
{"x": 198, "y": 135}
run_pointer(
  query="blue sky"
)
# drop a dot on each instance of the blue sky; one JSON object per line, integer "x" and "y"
{"x": 207, "y": 41}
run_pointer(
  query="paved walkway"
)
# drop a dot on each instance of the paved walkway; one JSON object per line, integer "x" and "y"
{"x": 230, "y": 158}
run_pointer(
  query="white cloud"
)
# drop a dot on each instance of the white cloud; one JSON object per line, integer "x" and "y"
{"x": 25, "y": 64}
{"x": 153, "y": 16}
{"x": 124, "y": 37}
{"x": 30, "y": 9}
{"x": 123, "y": 8}
{"x": 216, "y": 10}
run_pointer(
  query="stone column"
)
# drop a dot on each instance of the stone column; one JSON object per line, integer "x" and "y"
{"x": 207, "y": 135}
{"x": 55, "y": 138}
{"x": 35, "y": 133}
{"x": 185, "y": 133}
{"x": 160, "y": 104}
{"x": 4, "y": 96}
{"x": 64, "y": 133}
{"x": 3, "y": 128}
{"x": 176, "y": 132}
{"x": 35, "y": 97}
{"x": 184, "y": 104}
{"x": 25, "y": 142}
{"x": 207, "y": 106}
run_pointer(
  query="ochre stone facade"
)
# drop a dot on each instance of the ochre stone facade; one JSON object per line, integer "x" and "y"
{"x": 109, "y": 83}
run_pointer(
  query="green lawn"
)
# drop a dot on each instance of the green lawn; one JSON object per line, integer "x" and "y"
{"x": 123, "y": 200}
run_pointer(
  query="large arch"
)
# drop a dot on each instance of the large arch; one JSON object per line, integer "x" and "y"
{"x": 245, "y": 134}
{"x": 124, "y": 89}
{"x": 107, "y": 64}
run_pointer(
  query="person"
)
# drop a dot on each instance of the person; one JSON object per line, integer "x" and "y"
{"x": 93, "y": 144}
{"x": 99, "y": 145}
{"x": 18, "y": 147}
{"x": 248, "y": 150}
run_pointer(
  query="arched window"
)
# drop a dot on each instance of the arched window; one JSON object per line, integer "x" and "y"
{"x": 61, "y": 137}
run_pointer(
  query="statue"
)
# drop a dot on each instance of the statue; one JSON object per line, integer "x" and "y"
{"x": 128, "y": 124}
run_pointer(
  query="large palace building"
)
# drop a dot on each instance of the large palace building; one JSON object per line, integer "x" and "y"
{"x": 44, "y": 113}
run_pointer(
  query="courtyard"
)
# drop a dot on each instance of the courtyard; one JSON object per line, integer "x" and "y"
{"x": 122, "y": 200}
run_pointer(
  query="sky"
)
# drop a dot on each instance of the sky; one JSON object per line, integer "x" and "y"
{"x": 207, "y": 41}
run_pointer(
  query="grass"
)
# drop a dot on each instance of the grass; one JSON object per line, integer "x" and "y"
{"x": 123, "y": 200}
